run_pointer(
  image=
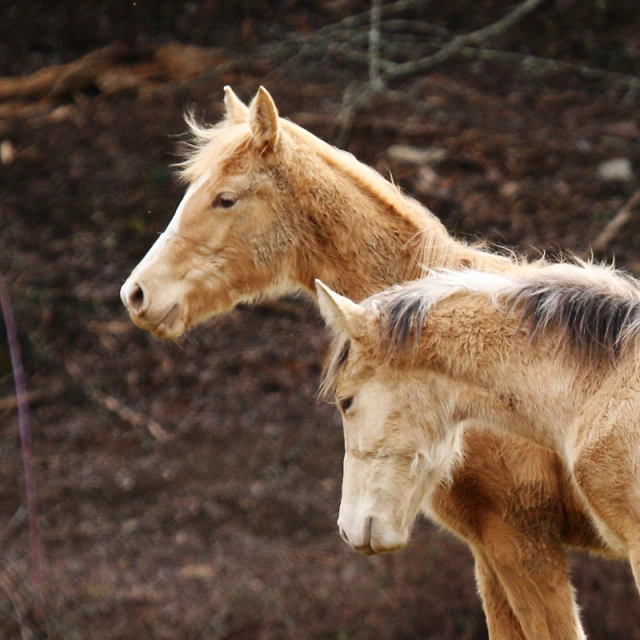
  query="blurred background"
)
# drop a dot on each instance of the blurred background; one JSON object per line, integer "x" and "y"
{"x": 191, "y": 491}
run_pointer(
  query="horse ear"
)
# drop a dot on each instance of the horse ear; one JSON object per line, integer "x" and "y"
{"x": 237, "y": 111}
{"x": 340, "y": 313}
{"x": 263, "y": 119}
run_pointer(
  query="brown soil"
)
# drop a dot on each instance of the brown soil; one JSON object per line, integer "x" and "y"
{"x": 228, "y": 530}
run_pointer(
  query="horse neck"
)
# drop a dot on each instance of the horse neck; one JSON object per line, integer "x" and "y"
{"x": 361, "y": 234}
{"x": 498, "y": 377}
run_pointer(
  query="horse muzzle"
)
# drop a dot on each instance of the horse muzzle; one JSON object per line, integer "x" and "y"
{"x": 163, "y": 320}
{"x": 374, "y": 537}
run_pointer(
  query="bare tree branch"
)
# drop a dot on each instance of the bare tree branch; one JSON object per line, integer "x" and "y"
{"x": 475, "y": 37}
{"x": 604, "y": 238}
{"x": 357, "y": 94}
{"x": 545, "y": 64}
{"x": 12, "y": 402}
{"x": 374, "y": 45}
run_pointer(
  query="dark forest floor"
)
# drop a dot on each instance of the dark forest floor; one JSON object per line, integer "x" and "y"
{"x": 228, "y": 530}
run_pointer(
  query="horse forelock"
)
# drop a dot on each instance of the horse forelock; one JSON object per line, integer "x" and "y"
{"x": 217, "y": 145}
{"x": 336, "y": 359}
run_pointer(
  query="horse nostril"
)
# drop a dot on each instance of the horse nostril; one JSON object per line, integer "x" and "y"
{"x": 343, "y": 535}
{"x": 368, "y": 528}
{"x": 135, "y": 297}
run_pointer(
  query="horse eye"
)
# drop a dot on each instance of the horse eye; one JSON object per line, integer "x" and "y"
{"x": 345, "y": 403}
{"x": 224, "y": 201}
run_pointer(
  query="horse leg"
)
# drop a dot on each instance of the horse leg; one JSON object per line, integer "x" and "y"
{"x": 502, "y": 623}
{"x": 512, "y": 515}
{"x": 533, "y": 571}
{"x": 606, "y": 471}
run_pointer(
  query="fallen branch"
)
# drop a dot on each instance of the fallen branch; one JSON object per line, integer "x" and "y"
{"x": 604, "y": 238}
{"x": 114, "y": 69}
{"x": 536, "y": 63}
{"x": 113, "y": 405}
{"x": 11, "y": 403}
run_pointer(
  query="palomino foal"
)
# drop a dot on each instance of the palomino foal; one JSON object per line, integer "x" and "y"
{"x": 551, "y": 356}
{"x": 269, "y": 207}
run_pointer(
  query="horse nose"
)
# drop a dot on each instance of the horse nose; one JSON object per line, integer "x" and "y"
{"x": 133, "y": 296}
{"x": 344, "y": 536}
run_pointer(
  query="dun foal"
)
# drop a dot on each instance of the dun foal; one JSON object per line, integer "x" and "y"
{"x": 270, "y": 207}
{"x": 550, "y": 356}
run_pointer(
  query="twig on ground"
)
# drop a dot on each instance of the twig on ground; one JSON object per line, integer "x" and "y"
{"x": 536, "y": 63}
{"x": 113, "y": 405}
{"x": 604, "y": 238}
{"x": 12, "y": 402}
{"x": 15, "y": 521}
{"x": 374, "y": 45}
{"x": 355, "y": 95}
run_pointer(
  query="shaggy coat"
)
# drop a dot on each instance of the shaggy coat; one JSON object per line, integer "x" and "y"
{"x": 550, "y": 356}
{"x": 268, "y": 209}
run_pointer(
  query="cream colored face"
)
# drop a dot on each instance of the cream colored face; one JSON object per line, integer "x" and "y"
{"x": 402, "y": 430}
{"x": 399, "y": 444}
{"x": 379, "y": 484}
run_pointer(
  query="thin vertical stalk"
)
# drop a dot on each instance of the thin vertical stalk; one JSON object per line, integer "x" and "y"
{"x": 374, "y": 45}
{"x": 25, "y": 434}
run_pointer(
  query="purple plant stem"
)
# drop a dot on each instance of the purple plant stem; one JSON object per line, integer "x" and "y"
{"x": 25, "y": 434}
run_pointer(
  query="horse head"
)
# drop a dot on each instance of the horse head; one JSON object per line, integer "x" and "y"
{"x": 228, "y": 241}
{"x": 400, "y": 442}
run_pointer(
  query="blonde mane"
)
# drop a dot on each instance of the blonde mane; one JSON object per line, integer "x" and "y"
{"x": 210, "y": 145}
{"x": 363, "y": 175}
{"x": 595, "y": 307}
{"x": 225, "y": 142}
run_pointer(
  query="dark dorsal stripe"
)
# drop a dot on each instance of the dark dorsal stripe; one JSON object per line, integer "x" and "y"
{"x": 595, "y": 323}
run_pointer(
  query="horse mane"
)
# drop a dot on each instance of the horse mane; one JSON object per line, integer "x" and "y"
{"x": 365, "y": 176}
{"x": 596, "y": 308}
{"x": 431, "y": 244}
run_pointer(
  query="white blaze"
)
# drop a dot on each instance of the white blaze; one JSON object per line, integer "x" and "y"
{"x": 173, "y": 228}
